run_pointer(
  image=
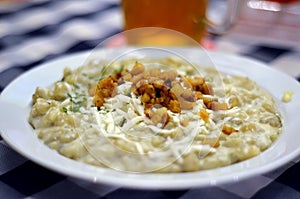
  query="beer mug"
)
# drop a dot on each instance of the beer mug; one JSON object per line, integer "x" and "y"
{"x": 185, "y": 16}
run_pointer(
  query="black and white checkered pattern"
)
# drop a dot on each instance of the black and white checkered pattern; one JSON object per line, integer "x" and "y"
{"x": 33, "y": 33}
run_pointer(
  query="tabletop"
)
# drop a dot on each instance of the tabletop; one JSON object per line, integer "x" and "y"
{"x": 34, "y": 32}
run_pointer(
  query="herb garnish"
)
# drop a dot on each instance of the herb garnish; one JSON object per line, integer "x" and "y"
{"x": 65, "y": 109}
{"x": 77, "y": 101}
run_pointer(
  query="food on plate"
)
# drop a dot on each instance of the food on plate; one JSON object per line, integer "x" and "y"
{"x": 287, "y": 96}
{"x": 155, "y": 115}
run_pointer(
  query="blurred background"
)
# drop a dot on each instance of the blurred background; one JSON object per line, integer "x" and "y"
{"x": 33, "y": 31}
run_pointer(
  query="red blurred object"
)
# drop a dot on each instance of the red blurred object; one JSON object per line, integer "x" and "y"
{"x": 208, "y": 44}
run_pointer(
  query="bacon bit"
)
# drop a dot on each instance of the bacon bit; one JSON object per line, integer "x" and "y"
{"x": 159, "y": 94}
{"x": 199, "y": 84}
{"x": 184, "y": 104}
{"x": 126, "y": 76}
{"x": 174, "y": 106}
{"x": 137, "y": 68}
{"x": 204, "y": 115}
{"x": 207, "y": 89}
{"x": 146, "y": 88}
{"x": 216, "y": 106}
{"x": 92, "y": 89}
{"x": 154, "y": 72}
{"x": 145, "y": 98}
{"x": 98, "y": 99}
{"x": 158, "y": 116}
{"x": 208, "y": 101}
{"x": 159, "y": 88}
{"x": 196, "y": 82}
{"x": 105, "y": 88}
{"x": 137, "y": 78}
{"x": 188, "y": 95}
{"x": 115, "y": 77}
{"x": 198, "y": 95}
{"x": 186, "y": 83}
{"x": 177, "y": 89}
{"x": 147, "y": 110}
{"x": 141, "y": 83}
{"x": 213, "y": 142}
{"x": 168, "y": 75}
{"x": 228, "y": 130}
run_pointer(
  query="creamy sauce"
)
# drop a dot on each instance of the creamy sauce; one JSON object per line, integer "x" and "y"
{"x": 119, "y": 135}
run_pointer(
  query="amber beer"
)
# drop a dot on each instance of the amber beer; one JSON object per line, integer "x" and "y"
{"x": 187, "y": 17}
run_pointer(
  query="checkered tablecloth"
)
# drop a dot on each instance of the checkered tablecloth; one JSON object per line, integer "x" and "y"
{"x": 34, "y": 32}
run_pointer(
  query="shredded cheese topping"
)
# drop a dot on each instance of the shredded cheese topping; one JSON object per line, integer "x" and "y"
{"x": 128, "y": 121}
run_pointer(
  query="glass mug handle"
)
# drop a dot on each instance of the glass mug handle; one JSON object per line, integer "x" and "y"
{"x": 228, "y": 20}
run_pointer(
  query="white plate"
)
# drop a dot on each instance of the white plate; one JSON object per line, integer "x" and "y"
{"x": 15, "y": 130}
